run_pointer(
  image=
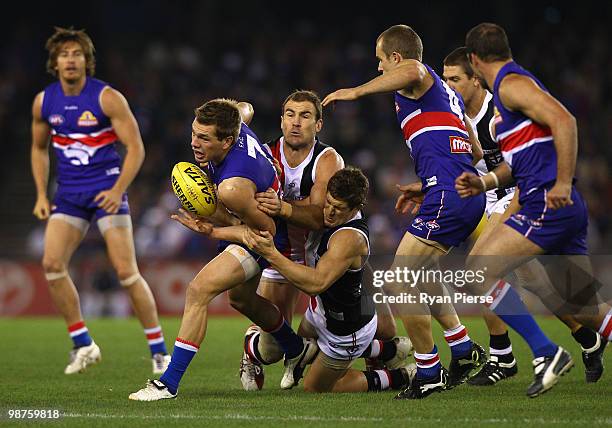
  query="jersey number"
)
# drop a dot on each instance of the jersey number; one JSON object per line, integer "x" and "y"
{"x": 453, "y": 101}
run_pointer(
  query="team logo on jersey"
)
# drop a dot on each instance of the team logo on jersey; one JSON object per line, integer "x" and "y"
{"x": 87, "y": 119}
{"x": 56, "y": 119}
{"x": 417, "y": 223}
{"x": 432, "y": 225}
{"x": 460, "y": 145}
{"x": 536, "y": 224}
{"x": 497, "y": 118}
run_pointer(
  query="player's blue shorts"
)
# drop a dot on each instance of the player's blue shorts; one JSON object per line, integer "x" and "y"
{"x": 281, "y": 242}
{"x": 447, "y": 218}
{"x": 82, "y": 205}
{"x": 561, "y": 231}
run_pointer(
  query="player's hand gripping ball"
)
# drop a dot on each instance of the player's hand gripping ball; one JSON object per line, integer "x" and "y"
{"x": 194, "y": 189}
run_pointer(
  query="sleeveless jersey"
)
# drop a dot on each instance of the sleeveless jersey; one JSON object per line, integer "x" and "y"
{"x": 82, "y": 136}
{"x": 482, "y": 125}
{"x": 527, "y": 146}
{"x": 297, "y": 183}
{"x": 435, "y": 133}
{"x": 346, "y": 306}
{"x": 249, "y": 160}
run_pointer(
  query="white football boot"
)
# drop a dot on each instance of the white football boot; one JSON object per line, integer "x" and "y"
{"x": 154, "y": 390}
{"x": 294, "y": 367}
{"x": 83, "y": 357}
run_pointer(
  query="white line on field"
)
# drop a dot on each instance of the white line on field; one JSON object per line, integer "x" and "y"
{"x": 238, "y": 416}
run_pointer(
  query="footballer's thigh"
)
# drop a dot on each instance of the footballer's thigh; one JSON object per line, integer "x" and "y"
{"x": 63, "y": 235}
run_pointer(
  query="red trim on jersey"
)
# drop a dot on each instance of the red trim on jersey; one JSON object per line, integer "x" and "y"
{"x": 433, "y": 118}
{"x": 275, "y": 148}
{"x": 524, "y": 135}
{"x": 186, "y": 342}
{"x": 101, "y": 140}
{"x": 76, "y": 326}
{"x": 313, "y": 302}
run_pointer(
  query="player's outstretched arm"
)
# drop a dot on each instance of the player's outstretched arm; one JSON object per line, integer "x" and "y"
{"x": 40, "y": 158}
{"x": 520, "y": 93}
{"x": 116, "y": 107}
{"x": 408, "y": 74}
{"x": 343, "y": 248}
{"x": 238, "y": 195}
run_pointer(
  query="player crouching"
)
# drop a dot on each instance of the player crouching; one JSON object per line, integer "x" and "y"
{"x": 340, "y": 316}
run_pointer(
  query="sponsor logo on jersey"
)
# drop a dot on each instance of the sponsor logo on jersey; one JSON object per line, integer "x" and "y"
{"x": 73, "y": 107}
{"x": 87, "y": 119}
{"x": 397, "y": 108}
{"x": 460, "y": 145}
{"x": 56, "y": 119}
{"x": 431, "y": 181}
{"x": 432, "y": 225}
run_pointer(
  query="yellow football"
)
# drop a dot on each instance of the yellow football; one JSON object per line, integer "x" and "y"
{"x": 194, "y": 189}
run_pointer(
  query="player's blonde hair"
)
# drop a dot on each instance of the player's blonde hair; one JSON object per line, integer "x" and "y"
{"x": 63, "y": 35}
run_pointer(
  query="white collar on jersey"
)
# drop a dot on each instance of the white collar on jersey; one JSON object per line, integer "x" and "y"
{"x": 483, "y": 108}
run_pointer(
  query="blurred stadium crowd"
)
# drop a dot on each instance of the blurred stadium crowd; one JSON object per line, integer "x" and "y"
{"x": 168, "y": 60}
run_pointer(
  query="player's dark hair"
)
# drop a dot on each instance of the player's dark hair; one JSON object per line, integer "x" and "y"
{"x": 403, "y": 40}
{"x": 488, "y": 42}
{"x": 349, "y": 185}
{"x": 63, "y": 35}
{"x": 224, "y": 114}
{"x": 459, "y": 58}
{"x": 310, "y": 96}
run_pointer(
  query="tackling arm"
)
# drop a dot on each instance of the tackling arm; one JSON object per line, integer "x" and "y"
{"x": 343, "y": 248}
{"x": 311, "y": 216}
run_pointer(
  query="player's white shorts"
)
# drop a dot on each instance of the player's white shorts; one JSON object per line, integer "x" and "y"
{"x": 341, "y": 347}
{"x": 271, "y": 273}
{"x": 498, "y": 206}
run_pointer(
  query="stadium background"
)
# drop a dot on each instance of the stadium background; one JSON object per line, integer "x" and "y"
{"x": 168, "y": 58}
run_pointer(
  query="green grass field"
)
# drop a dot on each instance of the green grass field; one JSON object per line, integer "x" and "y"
{"x": 35, "y": 353}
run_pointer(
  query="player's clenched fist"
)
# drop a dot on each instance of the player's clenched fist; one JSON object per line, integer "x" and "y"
{"x": 559, "y": 196}
{"x": 41, "y": 208}
{"x": 469, "y": 184}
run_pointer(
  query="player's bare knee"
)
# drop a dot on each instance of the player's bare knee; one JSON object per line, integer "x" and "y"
{"x": 201, "y": 292}
{"x": 53, "y": 266}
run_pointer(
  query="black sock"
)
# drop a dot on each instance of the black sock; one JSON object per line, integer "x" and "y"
{"x": 398, "y": 381}
{"x": 586, "y": 337}
{"x": 373, "y": 381}
{"x": 389, "y": 348}
{"x": 501, "y": 342}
